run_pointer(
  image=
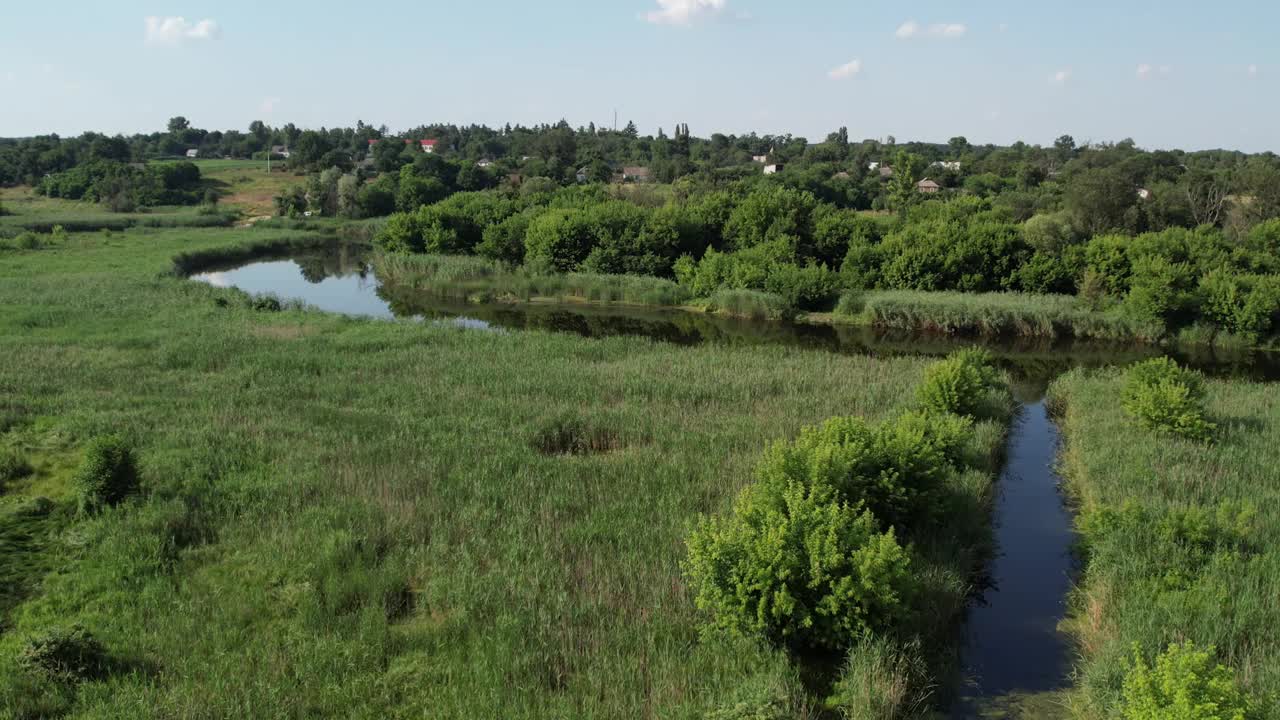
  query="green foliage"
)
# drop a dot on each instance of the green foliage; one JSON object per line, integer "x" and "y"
{"x": 893, "y": 469}
{"x": 798, "y": 567}
{"x": 107, "y": 474}
{"x": 1159, "y": 394}
{"x": 959, "y": 384}
{"x": 1185, "y": 683}
{"x": 751, "y": 304}
{"x": 64, "y": 655}
{"x": 761, "y": 697}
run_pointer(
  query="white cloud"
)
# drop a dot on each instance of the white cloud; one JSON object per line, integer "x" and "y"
{"x": 1061, "y": 77}
{"x": 176, "y": 30}
{"x": 847, "y": 70}
{"x": 1144, "y": 71}
{"x": 913, "y": 29}
{"x": 684, "y": 12}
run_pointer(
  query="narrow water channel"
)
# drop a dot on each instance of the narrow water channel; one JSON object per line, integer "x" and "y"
{"x": 1015, "y": 660}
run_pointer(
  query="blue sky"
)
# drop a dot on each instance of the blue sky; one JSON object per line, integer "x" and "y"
{"x": 1173, "y": 73}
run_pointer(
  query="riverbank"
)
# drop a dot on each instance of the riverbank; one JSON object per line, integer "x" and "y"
{"x": 339, "y": 516}
{"x": 969, "y": 315}
{"x": 1179, "y": 538}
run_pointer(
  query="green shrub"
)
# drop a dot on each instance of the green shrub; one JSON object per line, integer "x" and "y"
{"x": 106, "y": 475}
{"x": 751, "y": 304}
{"x": 892, "y": 469}
{"x": 1184, "y": 684}
{"x": 798, "y": 567}
{"x": 1160, "y": 395}
{"x": 958, "y": 384}
{"x": 64, "y": 655}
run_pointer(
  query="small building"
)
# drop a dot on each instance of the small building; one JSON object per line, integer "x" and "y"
{"x": 773, "y": 169}
{"x": 842, "y": 175}
{"x": 583, "y": 175}
{"x": 636, "y": 174}
{"x": 280, "y": 150}
{"x": 886, "y": 172}
{"x": 928, "y": 186}
{"x": 484, "y": 163}
{"x": 429, "y": 146}
{"x": 193, "y": 153}
{"x": 762, "y": 159}
{"x": 953, "y": 165}
{"x": 1144, "y": 194}
{"x": 873, "y": 166}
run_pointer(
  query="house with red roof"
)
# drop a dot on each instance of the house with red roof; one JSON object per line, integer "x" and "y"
{"x": 429, "y": 146}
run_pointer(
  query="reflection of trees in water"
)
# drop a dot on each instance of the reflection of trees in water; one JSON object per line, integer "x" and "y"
{"x": 1032, "y": 360}
{"x": 337, "y": 260}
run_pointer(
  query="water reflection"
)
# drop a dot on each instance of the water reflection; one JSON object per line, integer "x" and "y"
{"x": 338, "y": 278}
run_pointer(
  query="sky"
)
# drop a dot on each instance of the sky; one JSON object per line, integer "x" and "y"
{"x": 1167, "y": 73}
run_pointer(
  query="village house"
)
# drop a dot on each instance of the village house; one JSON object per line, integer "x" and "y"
{"x": 583, "y": 175}
{"x": 886, "y": 172}
{"x": 928, "y": 186}
{"x": 280, "y": 150}
{"x": 873, "y": 166}
{"x": 773, "y": 169}
{"x": 1144, "y": 194}
{"x": 636, "y": 174}
{"x": 429, "y": 146}
{"x": 762, "y": 159}
{"x": 953, "y": 165}
{"x": 484, "y": 163}
{"x": 193, "y": 153}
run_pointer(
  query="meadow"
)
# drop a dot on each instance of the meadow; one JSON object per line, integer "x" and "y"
{"x": 1178, "y": 537}
{"x": 356, "y": 518}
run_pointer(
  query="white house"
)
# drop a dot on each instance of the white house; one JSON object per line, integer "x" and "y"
{"x": 873, "y": 166}
{"x": 1144, "y": 194}
{"x": 281, "y": 150}
{"x": 773, "y": 169}
{"x": 948, "y": 165}
{"x": 484, "y": 163}
{"x": 193, "y": 153}
{"x": 429, "y": 146}
{"x": 762, "y": 159}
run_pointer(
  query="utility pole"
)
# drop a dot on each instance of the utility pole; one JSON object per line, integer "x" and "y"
{"x": 615, "y": 119}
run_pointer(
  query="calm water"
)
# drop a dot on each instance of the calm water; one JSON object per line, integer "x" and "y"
{"x": 1013, "y": 648}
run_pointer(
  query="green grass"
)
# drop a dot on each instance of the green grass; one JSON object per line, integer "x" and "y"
{"x": 1215, "y": 582}
{"x": 31, "y": 212}
{"x": 355, "y": 518}
{"x": 990, "y": 314}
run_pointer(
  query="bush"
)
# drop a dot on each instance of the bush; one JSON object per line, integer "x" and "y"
{"x": 106, "y": 475}
{"x": 65, "y": 655}
{"x": 892, "y": 469}
{"x": 798, "y": 567}
{"x": 1185, "y": 684}
{"x": 958, "y": 384}
{"x": 1160, "y": 395}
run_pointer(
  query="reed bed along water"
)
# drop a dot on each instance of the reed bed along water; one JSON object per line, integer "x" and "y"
{"x": 992, "y": 314}
{"x": 1179, "y": 538}
{"x": 351, "y": 518}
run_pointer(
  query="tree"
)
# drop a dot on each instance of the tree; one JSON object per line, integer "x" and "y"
{"x": 903, "y": 192}
{"x": 178, "y": 125}
{"x": 1206, "y": 194}
{"x": 1098, "y": 199}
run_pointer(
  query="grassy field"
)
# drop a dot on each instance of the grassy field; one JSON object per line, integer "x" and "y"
{"x": 1180, "y": 538}
{"x": 30, "y": 212}
{"x": 353, "y": 518}
{"x": 247, "y": 185}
